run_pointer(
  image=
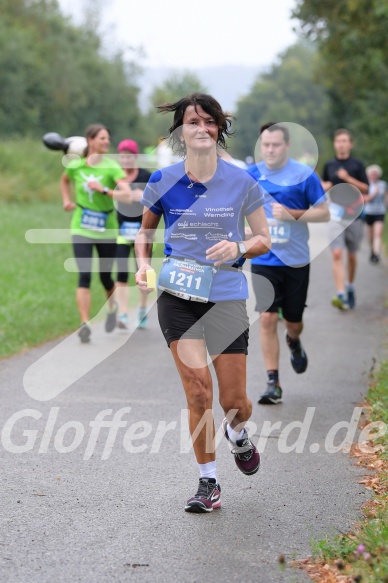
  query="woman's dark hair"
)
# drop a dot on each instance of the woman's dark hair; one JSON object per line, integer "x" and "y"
{"x": 91, "y": 132}
{"x": 209, "y": 105}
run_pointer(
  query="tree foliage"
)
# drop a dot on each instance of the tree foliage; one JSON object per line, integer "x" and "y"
{"x": 55, "y": 77}
{"x": 353, "y": 43}
{"x": 288, "y": 92}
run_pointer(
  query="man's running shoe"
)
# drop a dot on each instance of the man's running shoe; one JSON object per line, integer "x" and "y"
{"x": 351, "y": 298}
{"x": 110, "y": 322}
{"x": 272, "y": 395}
{"x": 84, "y": 333}
{"x": 340, "y": 302}
{"x": 208, "y": 496}
{"x": 142, "y": 318}
{"x": 122, "y": 321}
{"x": 246, "y": 456}
{"x": 298, "y": 356}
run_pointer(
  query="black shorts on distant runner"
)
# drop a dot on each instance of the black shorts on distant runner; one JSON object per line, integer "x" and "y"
{"x": 224, "y": 325}
{"x": 370, "y": 219}
{"x": 290, "y": 285}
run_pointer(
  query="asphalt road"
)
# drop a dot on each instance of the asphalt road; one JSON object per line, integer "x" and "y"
{"x": 80, "y": 504}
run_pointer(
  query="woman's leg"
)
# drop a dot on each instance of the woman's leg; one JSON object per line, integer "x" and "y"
{"x": 143, "y": 296}
{"x": 83, "y": 298}
{"x": 83, "y": 252}
{"x": 143, "y": 299}
{"x": 122, "y": 289}
{"x": 370, "y": 237}
{"x": 190, "y": 359}
{"x": 231, "y": 375}
{"x": 378, "y": 227}
{"x": 107, "y": 254}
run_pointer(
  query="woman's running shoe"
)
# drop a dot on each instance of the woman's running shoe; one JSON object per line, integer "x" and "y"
{"x": 110, "y": 322}
{"x": 207, "y": 498}
{"x": 142, "y": 318}
{"x": 84, "y": 333}
{"x": 246, "y": 456}
{"x": 122, "y": 321}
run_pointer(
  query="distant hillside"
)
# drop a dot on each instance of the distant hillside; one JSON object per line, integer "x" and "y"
{"x": 227, "y": 83}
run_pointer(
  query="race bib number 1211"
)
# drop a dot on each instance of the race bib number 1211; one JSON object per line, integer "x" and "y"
{"x": 186, "y": 279}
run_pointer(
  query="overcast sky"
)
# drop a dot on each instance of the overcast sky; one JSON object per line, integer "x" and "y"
{"x": 182, "y": 34}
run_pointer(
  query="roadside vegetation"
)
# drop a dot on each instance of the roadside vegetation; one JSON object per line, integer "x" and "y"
{"x": 38, "y": 300}
{"x": 362, "y": 555}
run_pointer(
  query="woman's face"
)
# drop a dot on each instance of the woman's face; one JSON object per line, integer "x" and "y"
{"x": 199, "y": 130}
{"x": 100, "y": 143}
{"x": 127, "y": 159}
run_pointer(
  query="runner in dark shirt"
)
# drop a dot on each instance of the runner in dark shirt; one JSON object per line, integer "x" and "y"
{"x": 129, "y": 218}
{"x": 345, "y": 226}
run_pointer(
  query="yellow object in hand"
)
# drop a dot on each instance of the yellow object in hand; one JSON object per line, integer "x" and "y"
{"x": 151, "y": 278}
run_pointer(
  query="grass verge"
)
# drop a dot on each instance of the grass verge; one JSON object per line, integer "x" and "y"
{"x": 29, "y": 172}
{"x": 38, "y": 298}
{"x": 38, "y": 304}
{"x": 362, "y": 555}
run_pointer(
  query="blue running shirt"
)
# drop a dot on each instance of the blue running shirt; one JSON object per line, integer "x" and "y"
{"x": 197, "y": 216}
{"x": 295, "y": 186}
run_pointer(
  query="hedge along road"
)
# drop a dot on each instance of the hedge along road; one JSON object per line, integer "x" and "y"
{"x": 86, "y": 502}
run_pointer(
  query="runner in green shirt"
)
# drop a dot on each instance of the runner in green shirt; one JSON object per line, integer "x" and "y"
{"x": 97, "y": 180}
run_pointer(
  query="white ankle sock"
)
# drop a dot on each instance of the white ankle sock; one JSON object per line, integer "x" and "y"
{"x": 208, "y": 470}
{"x": 234, "y": 435}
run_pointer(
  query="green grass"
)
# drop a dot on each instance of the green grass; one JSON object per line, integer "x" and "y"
{"x": 38, "y": 302}
{"x": 29, "y": 171}
{"x": 385, "y": 232}
{"x": 38, "y": 298}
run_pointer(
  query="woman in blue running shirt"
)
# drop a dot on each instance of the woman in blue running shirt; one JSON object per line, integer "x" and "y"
{"x": 202, "y": 290}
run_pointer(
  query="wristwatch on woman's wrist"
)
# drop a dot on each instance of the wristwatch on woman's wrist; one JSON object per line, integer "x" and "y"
{"x": 241, "y": 249}
{"x": 105, "y": 190}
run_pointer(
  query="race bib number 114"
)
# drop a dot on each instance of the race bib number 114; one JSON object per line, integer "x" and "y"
{"x": 279, "y": 231}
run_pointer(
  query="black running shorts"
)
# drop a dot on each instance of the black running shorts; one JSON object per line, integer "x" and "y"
{"x": 290, "y": 285}
{"x": 370, "y": 219}
{"x": 223, "y": 325}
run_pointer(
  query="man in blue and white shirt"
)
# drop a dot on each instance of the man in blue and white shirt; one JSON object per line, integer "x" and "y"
{"x": 293, "y": 197}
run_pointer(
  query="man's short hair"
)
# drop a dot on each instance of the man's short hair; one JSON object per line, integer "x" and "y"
{"x": 343, "y": 131}
{"x": 273, "y": 126}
